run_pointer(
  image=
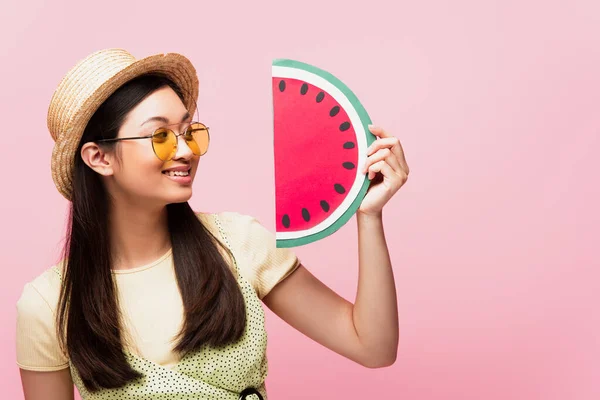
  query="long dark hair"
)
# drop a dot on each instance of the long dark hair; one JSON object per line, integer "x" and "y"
{"x": 88, "y": 317}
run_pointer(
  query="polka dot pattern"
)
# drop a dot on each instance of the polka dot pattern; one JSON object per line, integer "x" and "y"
{"x": 209, "y": 373}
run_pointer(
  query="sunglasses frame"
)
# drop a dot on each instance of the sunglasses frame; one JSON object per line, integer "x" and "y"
{"x": 151, "y": 136}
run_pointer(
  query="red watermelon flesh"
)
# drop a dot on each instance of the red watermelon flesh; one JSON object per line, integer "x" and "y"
{"x": 316, "y": 132}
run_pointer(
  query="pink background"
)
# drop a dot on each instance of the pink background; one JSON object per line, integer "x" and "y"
{"x": 494, "y": 238}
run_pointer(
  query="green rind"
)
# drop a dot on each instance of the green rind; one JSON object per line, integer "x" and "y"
{"x": 364, "y": 119}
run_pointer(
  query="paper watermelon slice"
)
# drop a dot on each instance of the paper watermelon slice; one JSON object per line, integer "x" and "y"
{"x": 321, "y": 137}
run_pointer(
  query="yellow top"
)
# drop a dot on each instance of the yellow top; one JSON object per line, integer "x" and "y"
{"x": 151, "y": 321}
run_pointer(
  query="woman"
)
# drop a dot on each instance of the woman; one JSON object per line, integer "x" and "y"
{"x": 154, "y": 301}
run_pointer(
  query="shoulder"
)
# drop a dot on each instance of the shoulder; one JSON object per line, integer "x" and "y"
{"x": 227, "y": 217}
{"x": 232, "y": 225}
{"x": 36, "y": 338}
{"x": 40, "y": 295}
{"x": 254, "y": 248}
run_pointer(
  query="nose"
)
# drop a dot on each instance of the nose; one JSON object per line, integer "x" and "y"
{"x": 183, "y": 150}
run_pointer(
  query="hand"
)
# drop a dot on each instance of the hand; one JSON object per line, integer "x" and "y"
{"x": 387, "y": 169}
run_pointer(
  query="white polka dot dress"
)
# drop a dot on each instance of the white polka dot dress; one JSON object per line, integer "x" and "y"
{"x": 210, "y": 373}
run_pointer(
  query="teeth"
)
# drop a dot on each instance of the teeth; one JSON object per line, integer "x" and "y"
{"x": 177, "y": 173}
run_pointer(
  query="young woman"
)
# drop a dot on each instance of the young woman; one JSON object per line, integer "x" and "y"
{"x": 153, "y": 300}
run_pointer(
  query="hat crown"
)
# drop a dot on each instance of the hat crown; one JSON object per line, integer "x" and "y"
{"x": 80, "y": 83}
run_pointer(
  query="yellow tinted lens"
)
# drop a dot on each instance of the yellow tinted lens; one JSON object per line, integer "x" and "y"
{"x": 191, "y": 142}
{"x": 197, "y": 138}
{"x": 164, "y": 143}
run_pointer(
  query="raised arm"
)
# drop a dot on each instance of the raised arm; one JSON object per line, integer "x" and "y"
{"x": 366, "y": 331}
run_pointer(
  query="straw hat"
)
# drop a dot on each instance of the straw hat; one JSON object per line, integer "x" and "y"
{"x": 88, "y": 84}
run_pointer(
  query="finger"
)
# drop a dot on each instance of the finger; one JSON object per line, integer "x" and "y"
{"x": 379, "y": 131}
{"x": 380, "y": 144}
{"x": 392, "y": 144}
{"x": 384, "y": 154}
{"x": 374, "y": 169}
{"x": 385, "y": 169}
{"x": 389, "y": 140}
{"x": 386, "y": 173}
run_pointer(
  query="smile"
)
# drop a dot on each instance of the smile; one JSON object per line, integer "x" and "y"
{"x": 177, "y": 173}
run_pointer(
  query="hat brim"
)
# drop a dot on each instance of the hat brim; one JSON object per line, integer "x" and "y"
{"x": 172, "y": 65}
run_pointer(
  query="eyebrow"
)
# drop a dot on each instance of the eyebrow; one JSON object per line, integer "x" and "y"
{"x": 165, "y": 120}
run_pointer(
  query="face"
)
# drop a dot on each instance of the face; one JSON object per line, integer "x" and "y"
{"x": 134, "y": 173}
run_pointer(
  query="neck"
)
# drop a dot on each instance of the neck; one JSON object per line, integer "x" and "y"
{"x": 138, "y": 235}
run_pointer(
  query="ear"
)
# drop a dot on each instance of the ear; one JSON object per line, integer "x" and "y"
{"x": 98, "y": 159}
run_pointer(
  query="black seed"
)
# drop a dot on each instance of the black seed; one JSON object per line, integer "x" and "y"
{"x": 304, "y": 89}
{"x": 325, "y": 205}
{"x": 334, "y": 111}
{"x": 286, "y": 219}
{"x": 305, "y": 214}
{"x": 320, "y": 97}
{"x": 339, "y": 188}
{"x": 345, "y": 126}
{"x": 349, "y": 145}
{"x": 281, "y": 86}
{"x": 348, "y": 165}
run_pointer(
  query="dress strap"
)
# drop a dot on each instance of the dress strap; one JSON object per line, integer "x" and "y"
{"x": 56, "y": 270}
{"x": 225, "y": 240}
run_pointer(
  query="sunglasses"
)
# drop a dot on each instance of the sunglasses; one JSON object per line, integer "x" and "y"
{"x": 164, "y": 140}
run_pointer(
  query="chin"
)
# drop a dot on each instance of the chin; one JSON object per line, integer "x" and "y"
{"x": 180, "y": 196}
